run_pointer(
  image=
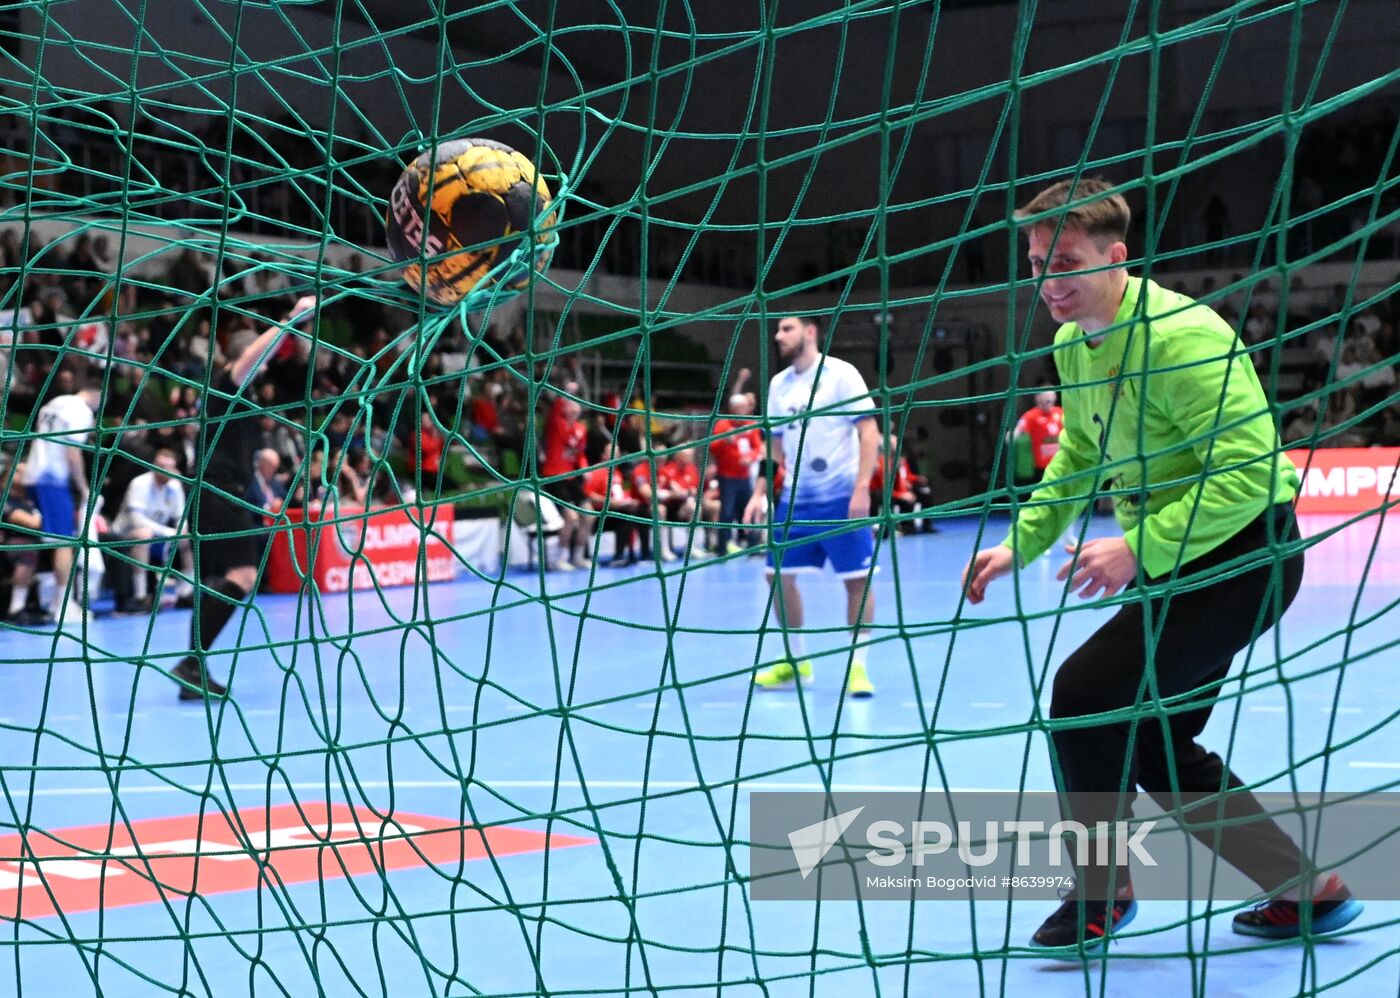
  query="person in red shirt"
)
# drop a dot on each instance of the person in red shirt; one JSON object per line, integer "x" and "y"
{"x": 562, "y": 454}
{"x": 1043, "y": 425}
{"x": 430, "y": 445}
{"x": 651, "y": 498}
{"x": 681, "y": 493}
{"x": 736, "y": 447}
{"x": 605, "y": 487}
{"x": 902, "y": 497}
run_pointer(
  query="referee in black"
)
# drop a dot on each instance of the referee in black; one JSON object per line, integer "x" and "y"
{"x": 225, "y": 552}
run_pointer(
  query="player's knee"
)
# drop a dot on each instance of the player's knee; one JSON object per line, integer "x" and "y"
{"x": 244, "y": 577}
{"x": 1076, "y": 692}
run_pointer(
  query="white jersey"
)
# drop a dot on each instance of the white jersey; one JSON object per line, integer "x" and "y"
{"x": 148, "y": 504}
{"x": 825, "y": 467}
{"x": 65, "y": 422}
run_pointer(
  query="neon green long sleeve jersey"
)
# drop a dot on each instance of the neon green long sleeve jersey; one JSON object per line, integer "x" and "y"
{"x": 1167, "y": 413}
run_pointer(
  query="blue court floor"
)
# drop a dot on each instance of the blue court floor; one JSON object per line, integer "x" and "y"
{"x": 624, "y": 711}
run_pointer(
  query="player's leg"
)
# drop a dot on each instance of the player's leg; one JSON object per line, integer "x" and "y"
{"x": 58, "y": 522}
{"x": 788, "y": 556}
{"x": 1171, "y": 761}
{"x": 140, "y": 569}
{"x": 852, "y": 557}
{"x": 860, "y": 614}
{"x": 1196, "y": 636}
{"x": 583, "y": 541}
{"x": 226, "y": 558}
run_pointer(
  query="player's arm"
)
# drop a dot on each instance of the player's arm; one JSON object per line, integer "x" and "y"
{"x": 1224, "y": 418}
{"x": 768, "y": 471}
{"x": 868, "y": 431}
{"x": 77, "y": 471}
{"x": 25, "y": 519}
{"x": 250, "y": 362}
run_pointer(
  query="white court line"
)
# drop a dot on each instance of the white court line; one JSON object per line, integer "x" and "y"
{"x": 1374, "y": 765}
{"x": 746, "y": 785}
{"x": 1342, "y": 710}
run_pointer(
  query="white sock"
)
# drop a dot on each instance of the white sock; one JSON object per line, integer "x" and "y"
{"x": 138, "y": 583}
{"x": 795, "y": 645}
{"x": 863, "y": 643}
{"x": 17, "y": 598}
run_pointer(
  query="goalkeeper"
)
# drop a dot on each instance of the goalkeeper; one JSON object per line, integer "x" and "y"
{"x": 1157, "y": 395}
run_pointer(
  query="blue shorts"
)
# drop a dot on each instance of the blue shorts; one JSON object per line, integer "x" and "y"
{"x": 851, "y": 551}
{"x": 55, "y": 504}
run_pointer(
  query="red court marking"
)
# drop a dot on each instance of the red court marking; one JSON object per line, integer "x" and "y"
{"x": 175, "y": 857}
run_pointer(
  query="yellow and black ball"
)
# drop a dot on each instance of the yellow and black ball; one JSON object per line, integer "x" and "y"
{"x": 484, "y": 195}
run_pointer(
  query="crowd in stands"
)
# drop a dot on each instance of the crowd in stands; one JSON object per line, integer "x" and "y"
{"x": 1335, "y": 379}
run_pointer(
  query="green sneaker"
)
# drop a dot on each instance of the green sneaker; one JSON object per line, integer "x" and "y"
{"x": 783, "y": 675}
{"x": 859, "y": 685}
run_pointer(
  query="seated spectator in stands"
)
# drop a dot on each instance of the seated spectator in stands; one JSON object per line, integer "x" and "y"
{"x": 152, "y": 509}
{"x": 288, "y": 444}
{"x": 680, "y": 496}
{"x": 308, "y": 484}
{"x": 1377, "y": 383}
{"x": 20, "y": 524}
{"x": 430, "y": 443}
{"x": 606, "y": 488}
{"x": 485, "y": 416}
{"x": 901, "y": 484}
{"x": 268, "y": 486}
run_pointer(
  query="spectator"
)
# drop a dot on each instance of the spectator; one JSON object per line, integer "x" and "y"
{"x": 277, "y": 436}
{"x": 430, "y": 445}
{"x": 152, "y": 509}
{"x": 562, "y": 457}
{"x": 901, "y": 483}
{"x": 268, "y": 487}
{"x": 736, "y": 448}
{"x": 605, "y": 488}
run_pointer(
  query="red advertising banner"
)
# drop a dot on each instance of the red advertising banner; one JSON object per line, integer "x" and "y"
{"x": 1347, "y": 479}
{"x": 172, "y": 858}
{"x": 327, "y": 551}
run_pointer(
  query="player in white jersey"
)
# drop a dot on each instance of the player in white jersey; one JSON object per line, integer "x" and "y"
{"x": 54, "y": 471}
{"x": 152, "y": 509}
{"x": 821, "y": 411}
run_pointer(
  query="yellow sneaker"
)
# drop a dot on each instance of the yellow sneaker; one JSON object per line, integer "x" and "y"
{"x": 859, "y": 685}
{"x": 783, "y": 675}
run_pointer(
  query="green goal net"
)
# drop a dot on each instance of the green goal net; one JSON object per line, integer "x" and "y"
{"x": 534, "y": 778}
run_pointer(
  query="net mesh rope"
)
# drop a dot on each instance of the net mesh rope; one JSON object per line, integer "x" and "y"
{"x": 235, "y": 130}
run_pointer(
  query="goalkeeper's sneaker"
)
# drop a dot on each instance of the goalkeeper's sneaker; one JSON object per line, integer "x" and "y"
{"x": 1332, "y": 907}
{"x": 1066, "y": 930}
{"x": 858, "y": 684}
{"x": 783, "y": 675}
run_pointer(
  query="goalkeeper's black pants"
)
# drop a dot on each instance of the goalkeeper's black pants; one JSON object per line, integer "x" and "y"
{"x": 1195, "y": 635}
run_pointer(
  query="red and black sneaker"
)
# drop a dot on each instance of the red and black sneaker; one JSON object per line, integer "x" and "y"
{"x": 1332, "y": 907}
{"x": 1066, "y": 930}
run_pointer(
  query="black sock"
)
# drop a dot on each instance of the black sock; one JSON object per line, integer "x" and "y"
{"x": 211, "y": 616}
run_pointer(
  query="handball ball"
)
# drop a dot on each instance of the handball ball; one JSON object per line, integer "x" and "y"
{"x": 484, "y": 195}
